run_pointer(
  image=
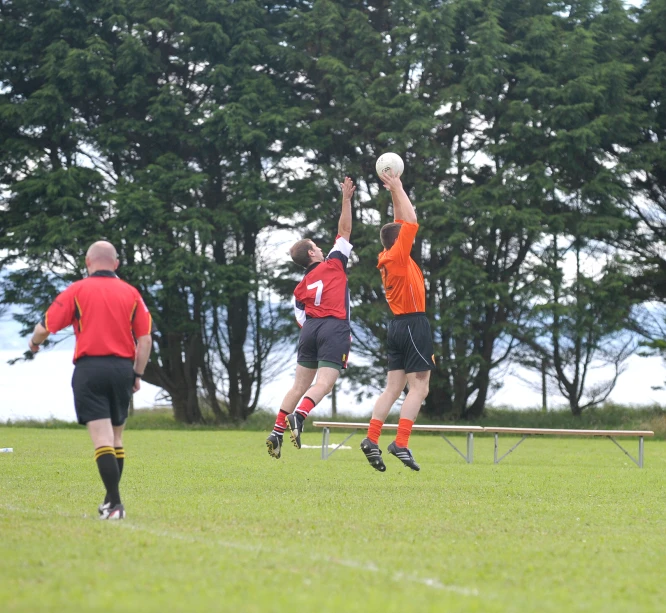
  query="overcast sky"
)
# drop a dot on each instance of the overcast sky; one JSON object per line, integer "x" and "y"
{"x": 41, "y": 388}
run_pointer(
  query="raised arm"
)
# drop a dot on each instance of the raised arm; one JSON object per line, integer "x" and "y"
{"x": 402, "y": 206}
{"x": 345, "y": 223}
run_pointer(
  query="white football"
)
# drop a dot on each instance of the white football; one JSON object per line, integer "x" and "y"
{"x": 389, "y": 162}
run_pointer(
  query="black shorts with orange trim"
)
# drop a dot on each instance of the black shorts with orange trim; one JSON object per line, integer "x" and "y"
{"x": 102, "y": 388}
{"x": 325, "y": 339}
{"x": 410, "y": 346}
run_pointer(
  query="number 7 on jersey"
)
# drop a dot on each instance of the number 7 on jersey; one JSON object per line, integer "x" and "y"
{"x": 319, "y": 286}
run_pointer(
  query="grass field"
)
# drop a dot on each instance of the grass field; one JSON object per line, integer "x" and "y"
{"x": 215, "y": 525}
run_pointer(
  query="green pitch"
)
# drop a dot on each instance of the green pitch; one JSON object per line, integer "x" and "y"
{"x": 214, "y": 524}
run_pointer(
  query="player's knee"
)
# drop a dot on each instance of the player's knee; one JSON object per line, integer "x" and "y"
{"x": 326, "y": 379}
{"x": 421, "y": 391}
{"x": 420, "y": 384}
{"x": 326, "y": 388}
{"x": 392, "y": 393}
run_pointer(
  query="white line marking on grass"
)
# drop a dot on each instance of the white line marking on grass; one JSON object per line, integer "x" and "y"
{"x": 397, "y": 577}
{"x": 463, "y": 591}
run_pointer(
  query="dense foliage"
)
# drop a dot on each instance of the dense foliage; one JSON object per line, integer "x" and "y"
{"x": 191, "y": 133}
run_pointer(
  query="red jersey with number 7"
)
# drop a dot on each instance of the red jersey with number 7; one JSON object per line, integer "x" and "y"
{"x": 324, "y": 290}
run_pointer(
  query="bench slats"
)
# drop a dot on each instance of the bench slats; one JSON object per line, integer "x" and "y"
{"x": 567, "y": 432}
{"x": 491, "y": 430}
{"x": 496, "y": 431}
{"x": 423, "y": 428}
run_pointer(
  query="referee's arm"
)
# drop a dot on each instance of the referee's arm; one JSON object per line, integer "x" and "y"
{"x": 144, "y": 344}
{"x": 58, "y": 316}
{"x": 39, "y": 335}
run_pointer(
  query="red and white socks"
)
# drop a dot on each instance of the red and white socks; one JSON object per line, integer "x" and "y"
{"x": 307, "y": 404}
{"x": 280, "y": 423}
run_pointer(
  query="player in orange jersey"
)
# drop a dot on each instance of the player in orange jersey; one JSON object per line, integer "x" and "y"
{"x": 410, "y": 348}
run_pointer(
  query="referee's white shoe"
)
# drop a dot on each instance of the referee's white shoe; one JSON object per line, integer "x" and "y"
{"x": 109, "y": 512}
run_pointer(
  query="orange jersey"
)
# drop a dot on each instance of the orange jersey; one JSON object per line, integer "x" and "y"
{"x": 401, "y": 276}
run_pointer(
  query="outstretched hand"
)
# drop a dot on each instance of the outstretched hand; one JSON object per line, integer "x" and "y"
{"x": 391, "y": 183}
{"x": 348, "y": 188}
{"x": 345, "y": 224}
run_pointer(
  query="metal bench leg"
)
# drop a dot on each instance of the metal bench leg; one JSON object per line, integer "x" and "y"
{"x": 498, "y": 460}
{"x": 639, "y": 461}
{"x": 325, "y": 454}
{"x": 324, "y": 444}
{"x": 470, "y": 447}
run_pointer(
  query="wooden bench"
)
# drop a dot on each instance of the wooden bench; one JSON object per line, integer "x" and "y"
{"x": 470, "y": 431}
{"x": 442, "y": 430}
{"x": 611, "y": 434}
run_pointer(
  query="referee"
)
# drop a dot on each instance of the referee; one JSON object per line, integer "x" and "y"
{"x": 113, "y": 341}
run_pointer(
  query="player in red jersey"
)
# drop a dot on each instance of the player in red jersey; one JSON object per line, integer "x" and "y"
{"x": 321, "y": 303}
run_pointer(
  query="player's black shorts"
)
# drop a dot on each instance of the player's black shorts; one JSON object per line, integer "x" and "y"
{"x": 325, "y": 339}
{"x": 410, "y": 345}
{"x": 102, "y": 388}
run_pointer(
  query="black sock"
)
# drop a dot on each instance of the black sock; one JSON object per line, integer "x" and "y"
{"x": 120, "y": 458}
{"x": 108, "y": 470}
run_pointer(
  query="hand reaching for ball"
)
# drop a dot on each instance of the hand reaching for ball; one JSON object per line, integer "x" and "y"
{"x": 348, "y": 188}
{"x": 391, "y": 182}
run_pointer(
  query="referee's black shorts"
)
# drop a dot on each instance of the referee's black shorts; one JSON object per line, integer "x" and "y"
{"x": 410, "y": 345}
{"x": 102, "y": 388}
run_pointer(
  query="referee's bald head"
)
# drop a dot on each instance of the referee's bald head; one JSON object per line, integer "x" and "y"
{"x": 101, "y": 255}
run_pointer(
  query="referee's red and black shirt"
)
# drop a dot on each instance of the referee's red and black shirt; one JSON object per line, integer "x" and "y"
{"x": 107, "y": 315}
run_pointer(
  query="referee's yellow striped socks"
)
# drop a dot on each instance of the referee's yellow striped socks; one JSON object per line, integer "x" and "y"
{"x": 107, "y": 464}
{"x": 120, "y": 457}
{"x": 100, "y": 451}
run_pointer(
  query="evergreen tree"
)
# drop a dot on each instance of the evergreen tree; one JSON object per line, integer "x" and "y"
{"x": 182, "y": 132}
{"x": 444, "y": 85}
{"x": 592, "y": 119}
{"x": 579, "y": 323}
{"x": 160, "y": 126}
{"x": 373, "y": 77}
{"x": 648, "y": 156}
